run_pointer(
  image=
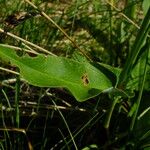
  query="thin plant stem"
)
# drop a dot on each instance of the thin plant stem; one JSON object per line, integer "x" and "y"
{"x": 17, "y": 95}
{"x": 122, "y": 14}
{"x": 111, "y": 32}
{"x": 64, "y": 139}
{"x": 44, "y": 132}
{"x": 109, "y": 115}
{"x": 8, "y": 70}
{"x": 20, "y": 130}
{"x": 17, "y": 112}
{"x": 6, "y": 134}
{"x": 81, "y": 129}
{"x": 1, "y": 146}
{"x": 59, "y": 28}
{"x": 72, "y": 138}
{"x": 6, "y": 97}
{"x": 27, "y": 42}
{"x": 9, "y": 105}
{"x": 18, "y": 48}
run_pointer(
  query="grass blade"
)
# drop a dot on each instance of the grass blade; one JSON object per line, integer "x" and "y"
{"x": 141, "y": 37}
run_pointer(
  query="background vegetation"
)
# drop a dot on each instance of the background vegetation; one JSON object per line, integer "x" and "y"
{"x": 113, "y": 35}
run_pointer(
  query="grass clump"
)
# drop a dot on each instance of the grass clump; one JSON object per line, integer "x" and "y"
{"x": 112, "y": 36}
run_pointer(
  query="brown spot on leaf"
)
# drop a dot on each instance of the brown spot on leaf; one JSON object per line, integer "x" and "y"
{"x": 85, "y": 79}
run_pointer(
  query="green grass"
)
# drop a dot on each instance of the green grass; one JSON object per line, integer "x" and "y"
{"x": 112, "y": 33}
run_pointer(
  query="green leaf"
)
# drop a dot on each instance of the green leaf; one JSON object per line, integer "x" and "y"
{"x": 82, "y": 79}
{"x": 145, "y": 5}
{"x": 137, "y": 73}
{"x": 135, "y": 51}
{"x": 92, "y": 146}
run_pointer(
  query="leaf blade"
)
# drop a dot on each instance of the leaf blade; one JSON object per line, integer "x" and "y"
{"x": 83, "y": 80}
